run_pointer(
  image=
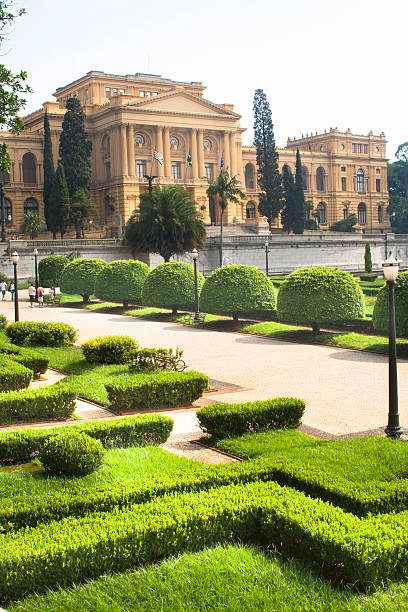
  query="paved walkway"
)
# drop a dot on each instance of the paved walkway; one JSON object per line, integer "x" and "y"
{"x": 346, "y": 391}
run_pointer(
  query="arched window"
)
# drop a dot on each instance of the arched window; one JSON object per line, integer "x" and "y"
{"x": 305, "y": 176}
{"x": 360, "y": 180}
{"x": 139, "y": 139}
{"x": 320, "y": 179}
{"x": 345, "y": 211}
{"x": 249, "y": 176}
{"x": 207, "y": 144}
{"x": 8, "y": 211}
{"x": 250, "y": 210}
{"x": 105, "y": 146}
{"x": 362, "y": 213}
{"x": 29, "y": 173}
{"x": 380, "y": 214}
{"x": 321, "y": 212}
{"x": 174, "y": 142}
{"x": 30, "y": 205}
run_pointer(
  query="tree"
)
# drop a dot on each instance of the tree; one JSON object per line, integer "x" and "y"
{"x": 59, "y": 204}
{"x": 269, "y": 178}
{"x": 226, "y": 189}
{"x": 49, "y": 171}
{"x": 368, "y": 264}
{"x": 11, "y": 86}
{"x": 288, "y": 211}
{"x": 398, "y": 191}
{"x": 80, "y": 210}
{"x": 79, "y": 276}
{"x": 299, "y": 209}
{"x": 74, "y": 149}
{"x": 50, "y": 269}
{"x": 32, "y": 225}
{"x": 344, "y": 225}
{"x": 171, "y": 285}
{"x": 121, "y": 281}
{"x": 167, "y": 223}
{"x": 381, "y": 318}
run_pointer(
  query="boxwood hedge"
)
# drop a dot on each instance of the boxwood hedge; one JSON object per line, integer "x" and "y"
{"x": 171, "y": 285}
{"x": 53, "y": 403}
{"x": 110, "y": 349}
{"x": 50, "y": 269}
{"x": 33, "y": 360}
{"x": 71, "y": 454}
{"x": 320, "y": 295}
{"x": 13, "y": 375}
{"x": 121, "y": 281}
{"x": 235, "y": 290}
{"x": 79, "y": 276}
{"x": 41, "y": 333}
{"x": 380, "y": 313}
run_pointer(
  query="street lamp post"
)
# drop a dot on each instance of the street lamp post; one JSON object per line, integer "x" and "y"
{"x": 15, "y": 257}
{"x": 197, "y": 317}
{"x": 35, "y": 253}
{"x": 393, "y": 429}
{"x": 266, "y": 258}
{"x": 3, "y": 214}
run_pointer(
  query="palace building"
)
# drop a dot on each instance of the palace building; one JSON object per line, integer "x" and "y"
{"x": 128, "y": 117}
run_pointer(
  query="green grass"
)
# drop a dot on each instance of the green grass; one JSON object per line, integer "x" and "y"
{"x": 360, "y": 460}
{"x": 102, "y": 306}
{"x": 228, "y": 578}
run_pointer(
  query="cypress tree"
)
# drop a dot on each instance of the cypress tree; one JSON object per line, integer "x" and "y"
{"x": 269, "y": 178}
{"x": 48, "y": 171}
{"x": 368, "y": 264}
{"x": 287, "y": 215}
{"x": 75, "y": 149}
{"x": 299, "y": 211}
{"x": 59, "y": 205}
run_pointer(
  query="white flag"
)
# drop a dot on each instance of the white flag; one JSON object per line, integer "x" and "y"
{"x": 158, "y": 156}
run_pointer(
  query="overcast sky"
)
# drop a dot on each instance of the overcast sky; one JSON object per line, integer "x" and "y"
{"x": 321, "y": 64}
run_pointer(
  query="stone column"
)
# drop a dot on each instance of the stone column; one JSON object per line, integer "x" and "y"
{"x": 167, "y": 153}
{"x": 194, "y": 152}
{"x": 227, "y": 161}
{"x": 200, "y": 145}
{"x": 159, "y": 146}
{"x": 123, "y": 146}
{"x": 240, "y": 169}
{"x": 233, "y": 154}
{"x": 131, "y": 150}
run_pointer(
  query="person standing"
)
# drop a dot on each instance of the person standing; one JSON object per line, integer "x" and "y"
{"x": 31, "y": 295}
{"x": 12, "y": 290}
{"x": 3, "y": 287}
{"x": 40, "y": 296}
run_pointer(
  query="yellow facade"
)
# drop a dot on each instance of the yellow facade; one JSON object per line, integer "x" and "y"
{"x": 128, "y": 117}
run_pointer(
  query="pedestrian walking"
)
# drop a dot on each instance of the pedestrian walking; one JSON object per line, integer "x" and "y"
{"x": 3, "y": 287}
{"x": 12, "y": 291}
{"x": 40, "y": 296}
{"x": 31, "y": 295}
{"x": 52, "y": 293}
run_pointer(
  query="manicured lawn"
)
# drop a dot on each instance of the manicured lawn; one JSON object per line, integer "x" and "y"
{"x": 360, "y": 460}
{"x": 229, "y": 578}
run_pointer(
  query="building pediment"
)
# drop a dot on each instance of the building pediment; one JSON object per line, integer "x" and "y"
{"x": 181, "y": 102}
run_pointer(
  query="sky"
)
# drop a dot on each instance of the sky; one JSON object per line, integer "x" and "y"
{"x": 321, "y": 64}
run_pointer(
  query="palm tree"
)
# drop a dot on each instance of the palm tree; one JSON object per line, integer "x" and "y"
{"x": 167, "y": 223}
{"x": 227, "y": 190}
{"x": 32, "y": 224}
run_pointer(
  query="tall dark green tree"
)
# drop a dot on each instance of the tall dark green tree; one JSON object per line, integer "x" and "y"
{"x": 49, "y": 171}
{"x": 80, "y": 211}
{"x": 74, "y": 149}
{"x": 269, "y": 178}
{"x": 299, "y": 209}
{"x": 398, "y": 191}
{"x": 59, "y": 204}
{"x": 288, "y": 211}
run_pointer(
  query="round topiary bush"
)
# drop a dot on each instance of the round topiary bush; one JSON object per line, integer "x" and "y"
{"x": 320, "y": 295}
{"x": 79, "y": 276}
{"x": 50, "y": 270}
{"x": 380, "y": 313}
{"x": 71, "y": 453}
{"x": 121, "y": 281}
{"x": 171, "y": 285}
{"x": 110, "y": 349}
{"x": 234, "y": 290}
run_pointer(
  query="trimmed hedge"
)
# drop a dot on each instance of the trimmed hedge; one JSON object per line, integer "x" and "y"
{"x": 79, "y": 276}
{"x": 368, "y": 278}
{"x": 3, "y": 321}
{"x": 235, "y": 290}
{"x": 30, "y": 359}
{"x": 171, "y": 285}
{"x": 43, "y": 334}
{"x": 380, "y": 313}
{"x": 357, "y": 551}
{"x": 148, "y": 391}
{"x": 142, "y": 430}
{"x": 110, "y": 349}
{"x": 226, "y": 420}
{"x": 50, "y": 269}
{"x": 121, "y": 281}
{"x": 71, "y": 454}
{"x": 318, "y": 295}
{"x": 13, "y": 375}
{"x": 53, "y": 402}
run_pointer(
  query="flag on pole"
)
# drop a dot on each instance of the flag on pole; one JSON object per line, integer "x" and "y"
{"x": 158, "y": 156}
{"x": 189, "y": 160}
{"x": 222, "y": 159}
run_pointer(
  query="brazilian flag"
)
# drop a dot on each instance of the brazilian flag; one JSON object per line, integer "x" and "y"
{"x": 189, "y": 160}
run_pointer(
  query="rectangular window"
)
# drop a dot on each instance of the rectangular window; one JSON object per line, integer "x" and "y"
{"x": 115, "y": 92}
{"x": 378, "y": 185}
{"x": 343, "y": 183}
{"x": 142, "y": 94}
{"x": 140, "y": 168}
{"x": 148, "y": 94}
{"x": 155, "y": 93}
{"x": 365, "y": 149}
{"x": 86, "y": 96}
{"x": 353, "y": 147}
{"x": 107, "y": 92}
{"x": 343, "y": 168}
{"x": 121, "y": 91}
{"x": 377, "y": 171}
{"x": 359, "y": 148}
{"x": 176, "y": 169}
{"x": 209, "y": 171}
